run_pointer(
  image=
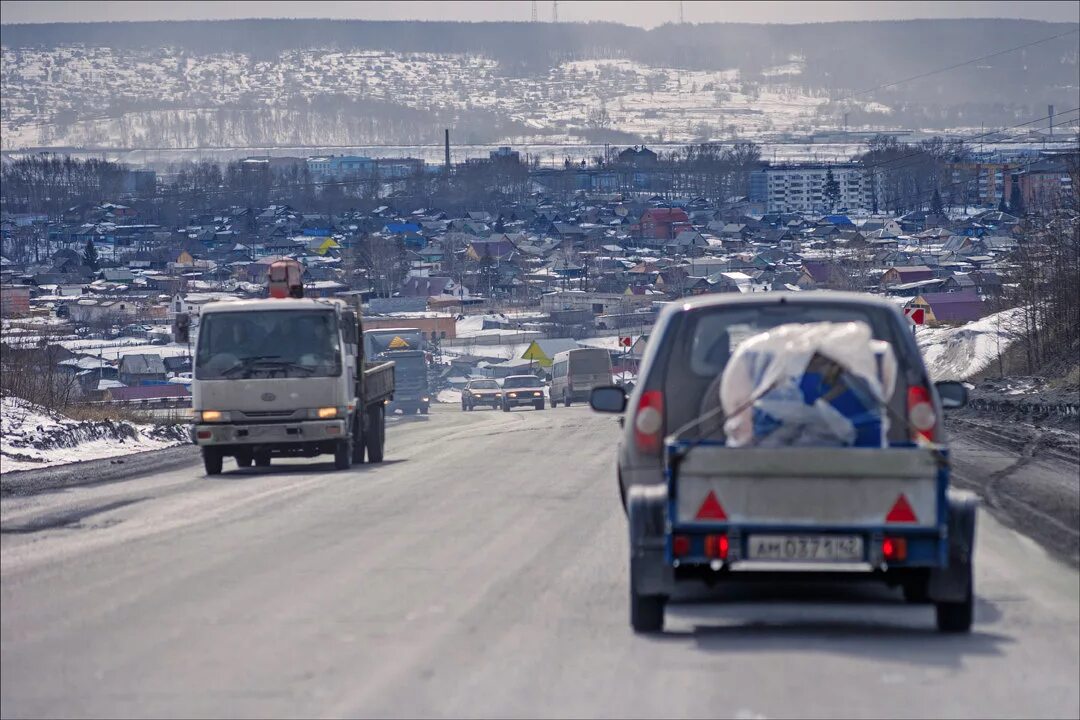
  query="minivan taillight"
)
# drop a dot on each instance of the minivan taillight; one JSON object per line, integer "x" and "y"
{"x": 921, "y": 417}
{"x": 649, "y": 421}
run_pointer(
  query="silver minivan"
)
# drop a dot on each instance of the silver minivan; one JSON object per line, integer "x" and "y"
{"x": 574, "y": 373}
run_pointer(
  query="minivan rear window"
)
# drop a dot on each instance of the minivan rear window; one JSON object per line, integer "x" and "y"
{"x": 703, "y": 342}
{"x": 715, "y": 336}
{"x": 590, "y": 361}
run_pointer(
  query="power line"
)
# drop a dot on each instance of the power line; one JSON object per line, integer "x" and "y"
{"x": 957, "y": 65}
{"x": 919, "y": 153}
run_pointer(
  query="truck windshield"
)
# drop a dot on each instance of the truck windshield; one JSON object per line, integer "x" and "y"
{"x": 270, "y": 343}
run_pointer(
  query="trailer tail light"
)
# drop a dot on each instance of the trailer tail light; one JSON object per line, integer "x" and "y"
{"x": 680, "y": 545}
{"x": 894, "y": 549}
{"x": 921, "y": 417}
{"x": 649, "y": 421}
{"x": 716, "y": 547}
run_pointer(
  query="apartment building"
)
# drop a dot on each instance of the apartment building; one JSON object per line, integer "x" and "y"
{"x": 801, "y": 188}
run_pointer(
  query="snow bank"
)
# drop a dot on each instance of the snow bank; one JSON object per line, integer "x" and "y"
{"x": 452, "y": 397}
{"x": 957, "y": 353}
{"x": 473, "y": 325}
{"x": 33, "y": 437}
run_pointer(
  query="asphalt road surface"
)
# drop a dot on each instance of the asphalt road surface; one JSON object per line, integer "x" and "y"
{"x": 481, "y": 571}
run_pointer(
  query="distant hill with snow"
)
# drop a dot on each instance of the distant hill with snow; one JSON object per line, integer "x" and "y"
{"x": 321, "y": 82}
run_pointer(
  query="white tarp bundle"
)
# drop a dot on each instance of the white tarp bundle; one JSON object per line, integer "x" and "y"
{"x": 824, "y": 383}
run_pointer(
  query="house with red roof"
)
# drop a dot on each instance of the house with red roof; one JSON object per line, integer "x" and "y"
{"x": 662, "y": 224}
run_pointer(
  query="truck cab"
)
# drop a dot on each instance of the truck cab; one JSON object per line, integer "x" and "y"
{"x": 405, "y": 347}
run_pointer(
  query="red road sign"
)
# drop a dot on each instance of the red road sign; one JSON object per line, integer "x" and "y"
{"x": 917, "y": 316}
{"x": 626, "y": 341}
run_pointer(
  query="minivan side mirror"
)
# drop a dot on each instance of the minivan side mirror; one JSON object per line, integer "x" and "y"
{"x": 953, "y": 394}
{"x": 547, "y": 377}
{"x": 608, "y": 399}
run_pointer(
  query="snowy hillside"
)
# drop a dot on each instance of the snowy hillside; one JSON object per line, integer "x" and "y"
{"x": 960, "y": 352}
{"x": 164, "y": 99}
{"x": 33, "y": 437}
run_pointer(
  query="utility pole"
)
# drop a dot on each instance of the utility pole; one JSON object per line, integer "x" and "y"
{"x": 534, "y": 10}
{"x": 682, "y": 18}
{"x": 555, "y": 11}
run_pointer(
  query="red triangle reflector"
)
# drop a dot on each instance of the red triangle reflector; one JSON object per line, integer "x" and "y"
{"x": 901, "y": 512}
{"x": 711, "y": 509}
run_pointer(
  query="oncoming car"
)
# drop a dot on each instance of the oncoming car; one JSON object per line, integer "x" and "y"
{"x": 481, "y": 392}
{"x": 520, "y": 390}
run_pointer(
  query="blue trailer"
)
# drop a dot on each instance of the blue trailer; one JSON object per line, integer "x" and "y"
{"x": 738, "y": 514}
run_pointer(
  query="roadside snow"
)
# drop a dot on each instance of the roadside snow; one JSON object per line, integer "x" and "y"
{"x": 452, "y": 397}
{"x": 957, "y": 353}
{"x": 33, "y": 437}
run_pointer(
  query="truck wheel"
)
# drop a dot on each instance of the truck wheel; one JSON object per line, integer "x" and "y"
{"x": 566, "y": 399}
{"x": 243, "y": 459}
{"x": 424, "y": 410}
{"x": 212, "y": 460}
{"x": 262, "y": 459}
{"x": 375, "y": 436}
{"x": 554, "y": 402}
{"x": 539, "y": 405}
{"x": 343, "y": 455}
{"x": 646, "y": 612}
{"x": 358, "y": 441}
{"x": 506, "y": 407}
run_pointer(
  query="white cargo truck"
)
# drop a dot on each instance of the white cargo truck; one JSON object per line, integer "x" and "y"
{"x": 286, "y": 377}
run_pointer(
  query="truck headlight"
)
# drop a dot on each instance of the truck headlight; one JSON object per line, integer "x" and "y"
{"x": 513, "y": 395}
{"x": 327, "y": 412}
{"x": 536, "y": 394}
{"x": 212, "y": 416}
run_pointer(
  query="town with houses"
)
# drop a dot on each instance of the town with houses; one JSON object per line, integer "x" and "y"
{"x": 585, "y": 256}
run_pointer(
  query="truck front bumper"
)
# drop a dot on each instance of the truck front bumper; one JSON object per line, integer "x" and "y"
{"x": 305, "y": 431}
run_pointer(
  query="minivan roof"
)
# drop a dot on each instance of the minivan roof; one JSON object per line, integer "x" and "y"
{"x": 578, "y": 350}
{"x": 806, "y": 297}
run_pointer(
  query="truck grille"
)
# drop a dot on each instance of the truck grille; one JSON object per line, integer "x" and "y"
{"x": 268, "y": 413}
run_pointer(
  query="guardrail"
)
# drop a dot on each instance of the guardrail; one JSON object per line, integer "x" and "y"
{"x": 150, "y": 403}
{"x": 1032, "y": 409}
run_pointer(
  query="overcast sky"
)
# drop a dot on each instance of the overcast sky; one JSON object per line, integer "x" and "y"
{"x": 642, "y": 13}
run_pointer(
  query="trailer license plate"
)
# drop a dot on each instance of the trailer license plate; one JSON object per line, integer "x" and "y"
{"x": 808, "y": 548}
